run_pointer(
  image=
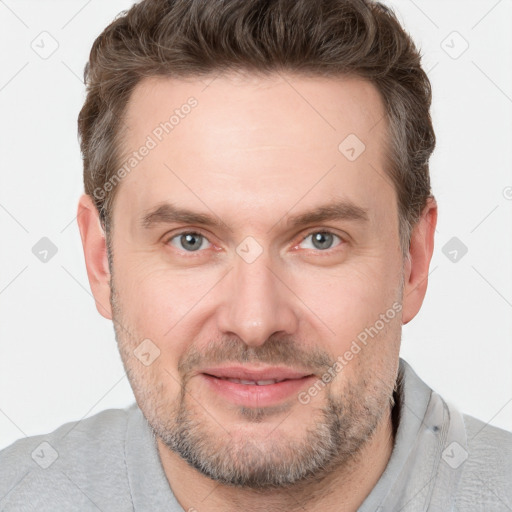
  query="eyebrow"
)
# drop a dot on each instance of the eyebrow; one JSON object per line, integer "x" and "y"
{"x": 339, "y": 210}
{"x": 168, "y": 213}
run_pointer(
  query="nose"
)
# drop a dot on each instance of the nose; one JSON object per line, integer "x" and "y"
{"x": 257, "y": 302}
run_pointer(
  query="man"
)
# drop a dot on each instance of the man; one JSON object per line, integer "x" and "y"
{"x": 258, "y": 224}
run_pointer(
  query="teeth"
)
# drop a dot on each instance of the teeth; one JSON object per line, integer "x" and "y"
{"x": 266, "y": 382}
{"x": 252, "y": 382}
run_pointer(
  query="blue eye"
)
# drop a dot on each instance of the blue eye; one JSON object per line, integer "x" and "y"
{"x": 188, "y": 241}
{"x": 191, "y": 241}
{"x": 321, "y": 240}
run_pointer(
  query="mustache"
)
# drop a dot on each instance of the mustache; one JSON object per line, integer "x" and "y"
{"x": 276, "y": 350}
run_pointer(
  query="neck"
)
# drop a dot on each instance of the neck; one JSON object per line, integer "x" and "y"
{"x": 343, "y": 489}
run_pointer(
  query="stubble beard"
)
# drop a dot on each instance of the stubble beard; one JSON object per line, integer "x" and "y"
{"x": 341, "y": 427}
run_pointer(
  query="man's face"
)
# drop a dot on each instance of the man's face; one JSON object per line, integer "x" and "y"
{"x": 258, "y": 295}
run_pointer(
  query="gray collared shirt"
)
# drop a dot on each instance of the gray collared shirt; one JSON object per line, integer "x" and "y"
{"x": 442, "y": 460}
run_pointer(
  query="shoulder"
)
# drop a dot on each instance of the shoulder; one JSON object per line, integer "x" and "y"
{"x": 70, "y": 440}
{"x": 56, "y": 466}
{"x": 486, "y": 477}
{"x": 473, "y": 458}
{"x": 487, "y": 440}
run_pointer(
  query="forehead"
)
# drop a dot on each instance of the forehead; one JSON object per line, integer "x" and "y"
{"x": 254, "y": 143}
{"x": 297, "y": 108}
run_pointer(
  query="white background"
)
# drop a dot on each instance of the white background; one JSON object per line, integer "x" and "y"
{"x": 58, "y": 356}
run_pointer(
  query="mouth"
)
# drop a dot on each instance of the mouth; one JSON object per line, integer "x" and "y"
{"x": 266, "y": 382}
{"x": 255, "y": 374}
{"x": 255, "y": 387}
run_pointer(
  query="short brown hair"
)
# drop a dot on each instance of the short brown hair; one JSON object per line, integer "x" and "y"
{"x": 183, "y": 38}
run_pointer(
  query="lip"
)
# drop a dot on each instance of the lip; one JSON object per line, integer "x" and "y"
{"x": 255, "y": 373}
{"x": 254, "y": 395}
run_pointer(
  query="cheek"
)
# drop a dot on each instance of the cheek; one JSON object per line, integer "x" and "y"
{"x": 157, "y": 300}
{"x": 348, "y": 299}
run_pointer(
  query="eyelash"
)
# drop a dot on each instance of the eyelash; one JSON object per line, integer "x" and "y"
{"x": 312, "y": 232}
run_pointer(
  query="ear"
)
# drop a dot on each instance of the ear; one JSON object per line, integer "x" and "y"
{"x": 95, "y": 252}
{"x": 418, "y": 261}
